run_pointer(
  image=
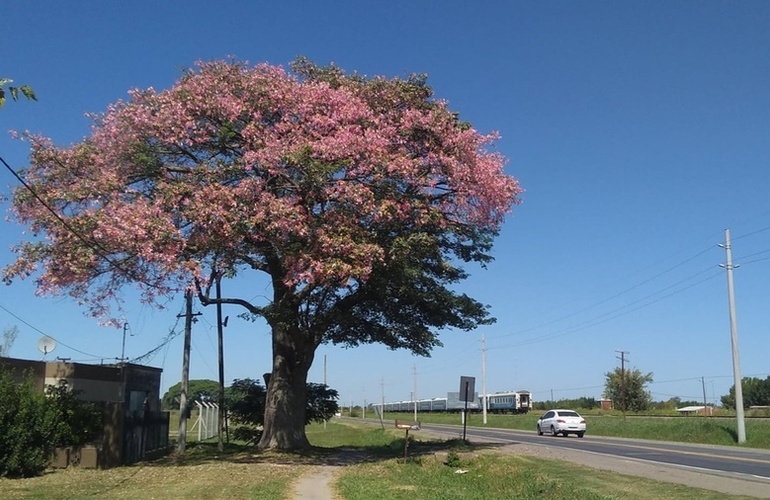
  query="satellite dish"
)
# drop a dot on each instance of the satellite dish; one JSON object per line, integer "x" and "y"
{"x": 46, "y": 344}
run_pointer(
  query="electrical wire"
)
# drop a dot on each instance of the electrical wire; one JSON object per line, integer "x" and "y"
{"x": 603, "y": 301}
{"x": 98, "y": 249}
{"x": 608, "y": 316}
{"x": 94, "y": 356}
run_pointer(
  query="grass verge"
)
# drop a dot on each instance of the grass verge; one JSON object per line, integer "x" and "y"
{"x": 696, "y": 429}
{"x": 501, "y": 477}
{"x": 454, "y": 469}
{"x": 374, "y": 468}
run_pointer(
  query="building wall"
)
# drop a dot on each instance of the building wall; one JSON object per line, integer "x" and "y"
{"x": 20, "y": 368}
{"x": 125, "y": 384}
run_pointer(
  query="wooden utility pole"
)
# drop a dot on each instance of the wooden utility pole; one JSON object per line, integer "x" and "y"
{"x": 623, "y": 360}
{"x": 221, "y": 400}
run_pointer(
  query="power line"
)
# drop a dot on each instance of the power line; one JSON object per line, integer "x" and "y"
{"x": 751, "y": 233}
{"x": 48, "y": 335}
{"x": 616, "y": 295}
{"x": 96, "y": 247}
{"x": 171, "y": 335}
{"x": 609, "y": 316}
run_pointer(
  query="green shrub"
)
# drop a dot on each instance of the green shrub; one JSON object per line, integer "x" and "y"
{"x": 453, "y": 459}
{"x": 74, "y": 422}
{"x": 34, "y": 424}
{"x": 26, "y": 441}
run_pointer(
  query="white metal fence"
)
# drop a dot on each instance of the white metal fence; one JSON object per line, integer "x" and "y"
{"x": 208, "y": 420}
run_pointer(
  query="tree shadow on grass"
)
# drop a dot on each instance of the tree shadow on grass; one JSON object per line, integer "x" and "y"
{"x": 203, "y": 453}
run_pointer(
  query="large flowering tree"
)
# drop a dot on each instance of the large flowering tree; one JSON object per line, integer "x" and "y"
{"x": 359, "y": 198}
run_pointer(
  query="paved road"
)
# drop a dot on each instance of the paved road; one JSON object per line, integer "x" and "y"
{"x": 724, "y": 460}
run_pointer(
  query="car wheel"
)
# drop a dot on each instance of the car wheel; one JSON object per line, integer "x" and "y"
{"x": 553, "y": 431}
{"x": 580, "y": 434}
{"x": 539, "y": 432}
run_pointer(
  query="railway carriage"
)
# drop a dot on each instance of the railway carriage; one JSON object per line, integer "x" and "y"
{"x": 509, "y": 402}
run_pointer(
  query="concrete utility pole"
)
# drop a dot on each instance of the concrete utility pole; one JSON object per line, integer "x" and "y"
{"x": 484, "y": 379}
{"x": 741, "y": 425}
{"x": 623, "y": 360}
{"x": 382, "y": 402}
{"x": 182, "y": 440}
{"x": 414, "y": 374}
{"x": 325, "y": 386}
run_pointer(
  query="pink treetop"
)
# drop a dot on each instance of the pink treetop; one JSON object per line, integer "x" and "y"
{"x": 239, "y": 166}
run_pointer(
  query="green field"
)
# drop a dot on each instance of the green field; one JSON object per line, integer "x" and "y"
{"x": 693, "y": 429}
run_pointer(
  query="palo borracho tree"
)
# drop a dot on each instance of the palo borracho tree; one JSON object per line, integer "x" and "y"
{"x": 358, "y": 198}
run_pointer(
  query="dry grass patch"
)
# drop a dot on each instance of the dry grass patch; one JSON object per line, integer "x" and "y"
{"x": 234, "y": 477}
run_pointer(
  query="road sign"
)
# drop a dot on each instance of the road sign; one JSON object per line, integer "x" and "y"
{"x": 467, "y": 388}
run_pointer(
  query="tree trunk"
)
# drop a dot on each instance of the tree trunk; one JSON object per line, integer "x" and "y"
{"x": 285, "y": 407}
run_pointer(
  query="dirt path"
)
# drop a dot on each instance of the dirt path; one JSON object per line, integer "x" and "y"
{"x": 316, "y": 484}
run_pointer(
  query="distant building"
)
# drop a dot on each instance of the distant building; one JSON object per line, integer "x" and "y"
{"x": 696, "y": 410}
{"x": 605, "y": 404}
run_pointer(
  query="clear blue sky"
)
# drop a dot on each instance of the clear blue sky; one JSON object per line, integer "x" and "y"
{"x": 640, "y": 131}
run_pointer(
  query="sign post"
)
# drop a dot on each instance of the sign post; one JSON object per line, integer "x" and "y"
{"x": 407, "y": 426}
{"x": 467, "y": 389}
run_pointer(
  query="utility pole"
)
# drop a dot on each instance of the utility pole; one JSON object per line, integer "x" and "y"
{"x": 703, "y": 384}
{"x": 123, "y": 350}
{"x": 220, "y": 331}
{"x": 123, "y": 367}
{"x": 484, "y": 379}
{"x": 185, "y": 372}
{"x": 382, "y": 402}
{"x": 325, "y": 387}
{"x": 414, "y": 374}
{"x": 741, "y": 425}
{"x": 623, "y": 360}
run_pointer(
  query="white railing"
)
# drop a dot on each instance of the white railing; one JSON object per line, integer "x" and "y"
{"x": 208, "y": 420}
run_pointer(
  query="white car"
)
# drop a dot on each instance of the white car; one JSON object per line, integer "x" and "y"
{"x": 562, "y": 422}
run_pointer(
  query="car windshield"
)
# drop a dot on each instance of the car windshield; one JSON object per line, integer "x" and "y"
{"x": 568, "y": 414}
